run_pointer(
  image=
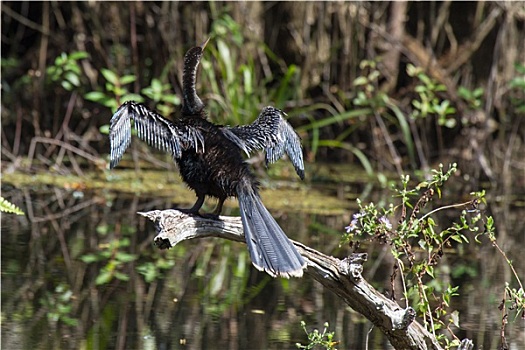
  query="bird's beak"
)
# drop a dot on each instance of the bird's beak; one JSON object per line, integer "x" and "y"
{"x": 205, "y": 43}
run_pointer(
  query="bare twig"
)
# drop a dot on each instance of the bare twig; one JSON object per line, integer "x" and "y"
{"x": 64, "y": 213}
{"x": 465, "y": 52}
{"x": 23, "y": 20}
{"x": 64, "y": 129}
{"x": 65, "y": 145}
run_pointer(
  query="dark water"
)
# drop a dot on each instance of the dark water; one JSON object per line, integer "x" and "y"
{"x": 80, "y": 272}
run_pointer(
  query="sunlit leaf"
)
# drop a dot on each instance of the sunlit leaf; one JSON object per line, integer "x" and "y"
{"x": 78, "y": 55}
{"x": 66, "y": 85}
{"x": 73, "y": 78}
{"x": 95, "y": 96}
{"x": 121, "y": 276}
{"x": 110, "y": 76}
{"x": 125, "y": 257}
{"x": 360, "y": 81}
{"x": 104, "y": 277}
{"x": 456, "y": 238}
{"x": 90, "y": 258}
{"x": 8, "y": 207}
{"x": 104, "y": 129}
{"x": 126, "y": 79}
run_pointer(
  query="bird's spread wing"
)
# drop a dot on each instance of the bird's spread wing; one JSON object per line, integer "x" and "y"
{"x": 151, "y": 127}
{"x": 272, "y": 133}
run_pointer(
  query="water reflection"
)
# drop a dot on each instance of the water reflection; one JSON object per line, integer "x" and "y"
{"x": 80, "y": 271}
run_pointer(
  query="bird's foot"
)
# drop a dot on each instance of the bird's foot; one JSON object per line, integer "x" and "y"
{"x": 193, "y": 212}
{"x": 189, "y": 211}
{"x": 211, "y": 216}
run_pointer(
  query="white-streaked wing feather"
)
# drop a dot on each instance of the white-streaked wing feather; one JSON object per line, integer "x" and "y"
{"x": 151, "y": 127}
{"x": 273, "y": 134}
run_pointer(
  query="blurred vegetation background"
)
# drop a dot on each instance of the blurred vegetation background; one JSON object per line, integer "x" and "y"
{"x": 392, "y": 86}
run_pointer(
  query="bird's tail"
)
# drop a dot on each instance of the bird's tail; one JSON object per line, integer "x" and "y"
{"x": 270, "y": 250}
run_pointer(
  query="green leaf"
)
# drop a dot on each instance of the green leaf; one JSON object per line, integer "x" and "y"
{"x": 110, "y": 76}
{"x": 337, "y": 118}
{"x": 426, "y": 80}
{"x": 104, "y": 277}
{"x": 126, "y": 79}
{"x": 104, "y": 129}
{"x": 121, "y": 276}
{"x": 117, "y": 90}
{"x": 171, "y": 98}
{"x": 373, "y": 75}
{"x": 360, "y": 100}
{"x": 226, "y": 59}
{"x": 456, "y": 238}
{"x": 68, "y": 320}
{"x": 450, "y": 123}
{"x": 72, "y": 78}
{"x": 125, "y": 257}
{"x": 440, "y": 87}
{"x": 90, "y": 258}
{"x": 8, "y": 207}
{"x": 411, "y": 70}
{"x": 78, "y": 55}
{"x": 60, "y": 60}
{"x": 95, "y": 96}
{"x": 248, "y": 84}
{"x": 356, "y": 151}
{"x": 149, "y": 271}
{"x": 156, "y": 85}
{"x": 405, "y": 129}
{"x": 66, "y": 85}
{"x": 73, "y": 67}
{"x": 360, "y": 81}
{"x": 429, "y": 270}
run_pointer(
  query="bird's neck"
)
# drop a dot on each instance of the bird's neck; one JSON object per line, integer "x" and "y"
{"x": 192, "y": 104}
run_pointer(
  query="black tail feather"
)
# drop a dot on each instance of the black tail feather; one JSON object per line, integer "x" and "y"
{"x": 270, "y": 250}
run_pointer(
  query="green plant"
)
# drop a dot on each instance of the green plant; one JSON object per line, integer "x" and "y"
{"x": 115, "y": 257}
{"x": 354, "y": 118}
{"x": 233, "y": 92}
{"x": 514, "y": 298}
{"x": 317, "y": 339}
{"x": 58, "y": 305}
{"x": 429, "y": 103}
{"x": 418, "y": 244}
{"x": 152, "y": 270}
{"x": 116, "y": 92}
{"x": 66, "y": 70}
{"x": 377, "y": 103}
{"x": 472, "y": 97}
{"x": 163, "y": 96}
{"x": 8, "y": 207}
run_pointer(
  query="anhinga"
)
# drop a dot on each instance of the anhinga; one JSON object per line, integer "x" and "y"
{"x": 210, "y": 162}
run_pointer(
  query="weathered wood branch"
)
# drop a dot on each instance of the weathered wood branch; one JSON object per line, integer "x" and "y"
{"x": 343, "y": 277}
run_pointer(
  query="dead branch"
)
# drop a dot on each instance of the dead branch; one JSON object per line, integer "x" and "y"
{"x": 343, "y": 277}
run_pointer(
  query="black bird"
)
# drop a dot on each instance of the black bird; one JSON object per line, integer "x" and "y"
{"x": 211, "y": 163}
